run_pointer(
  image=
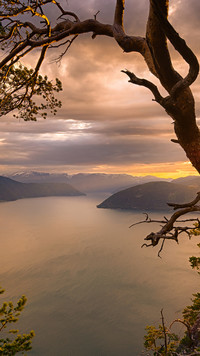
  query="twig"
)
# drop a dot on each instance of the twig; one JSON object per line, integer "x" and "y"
{"x": 169, "y": 231}
{"x": 95, "y": 15}
{"x": 164, "y": 331}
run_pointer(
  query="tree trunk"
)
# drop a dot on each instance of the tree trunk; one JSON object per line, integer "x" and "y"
{"x": 182, "y": 111}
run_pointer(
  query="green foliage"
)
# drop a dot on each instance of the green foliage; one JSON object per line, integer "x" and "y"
{"x": 21, "y": 88}
{"x": 191, "y": 312}
{"x": 20, "y": 85}
{"x": 156, "y": 337}
{"x": 196, "y": 231}
{"x": 195, "y": 261}
{"x": 10, "y": 314}
{"x": 155, "y": 340}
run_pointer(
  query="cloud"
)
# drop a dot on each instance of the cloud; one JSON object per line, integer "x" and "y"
{"x": 74, "y": 143}
{"x": 105, "y": 121}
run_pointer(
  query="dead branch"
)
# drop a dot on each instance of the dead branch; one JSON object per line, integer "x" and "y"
{"x": 170, "y": 227}
{"x": 95, "y": 15}
{"x": 192, "y": 203}
{"x": 149, "y": 220}
{"x": 69, "y": 42}
{"x": 175, "y": 141}
{"x": 69, "y": 13}
{"x": 145, "y": 83}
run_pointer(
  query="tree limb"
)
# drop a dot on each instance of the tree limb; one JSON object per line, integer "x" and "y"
{"x": 181, "y": 46}
{"x": 145, "y": 83}
{"x": 69, "y": 13}
{"x": 169, "y": 228}
{"x": 157, "y": 43}
{"x": 119, "y": 13}
{"x": 192, "y": 203}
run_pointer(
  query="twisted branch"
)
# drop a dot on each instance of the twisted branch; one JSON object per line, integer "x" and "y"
{"x": 192, "y": 203}
{"x": 119, "y": 12}
{"x": 145, "y": 83}
{"x": 169, "y": 230}
{"x": 180, "y": 45}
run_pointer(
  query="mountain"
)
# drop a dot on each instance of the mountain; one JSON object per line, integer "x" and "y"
{"x": 192, "y": 181}
{"x": 12, "y": 190}
{"x": 149, "y": 196}
{"x": 85, "y": 182}
{"x": 39, "y": 177}
{"x": 102, "y": 182}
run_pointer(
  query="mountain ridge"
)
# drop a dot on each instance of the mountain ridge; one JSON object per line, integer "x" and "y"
{"x": 12, "y": 190}
{"x": 86, "y": 182}
{"x": 149, "y": 196}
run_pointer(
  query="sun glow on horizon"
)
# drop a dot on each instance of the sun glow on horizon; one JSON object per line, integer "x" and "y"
{"x": 162, "y": 170}
{"x": 165, "y": 170}
{"x": 168, "y": 170}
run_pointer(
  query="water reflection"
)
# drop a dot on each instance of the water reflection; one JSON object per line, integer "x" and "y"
{"x": 91, "y": 288}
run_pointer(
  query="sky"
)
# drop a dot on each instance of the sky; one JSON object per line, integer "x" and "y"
{"x": 105, "y": 124}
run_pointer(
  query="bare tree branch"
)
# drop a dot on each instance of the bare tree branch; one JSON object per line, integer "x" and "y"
{"x": 192, "y": 203}
{"x": 169, "y": 228}
{"x": 95, "y": 15}
{"x": 68, "y": 13}
{"x": 145, "y": 83}
{"x": 119, "y": 12}
{"x": 69, "y": 42}
{"x": 181, "y": 46}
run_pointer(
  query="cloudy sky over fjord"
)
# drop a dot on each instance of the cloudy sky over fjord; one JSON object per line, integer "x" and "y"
{"x": 106, "y": 124}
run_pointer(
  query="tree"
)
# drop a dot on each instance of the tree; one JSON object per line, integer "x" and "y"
{"x": 23, "y": 34}
{"x": 25, "y": 26}
{"x": 162, "y": 341}
{"x": 10, "y": 314}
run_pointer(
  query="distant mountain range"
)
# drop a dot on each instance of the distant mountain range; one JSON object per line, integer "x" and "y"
{"x": 12, "y": 190}
{"x": 150, "y": 196}
{"x": 192, "y": 181}
{"x": 85, "y": 182}
{"x": 137, "y": 193}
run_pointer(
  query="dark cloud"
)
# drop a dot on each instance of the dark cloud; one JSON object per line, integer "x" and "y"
{"x": 87, "y": 146}
{"x": 121, "y": 127}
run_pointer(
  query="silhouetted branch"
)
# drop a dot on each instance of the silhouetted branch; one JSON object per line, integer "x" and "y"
{"x": 148, "y": 220}
{"x": 119, "y": 12}
{"x": 181, "y": 46}
{"x": 95, "y": 15}
{"x": 169, "y": 229}
{"x": 145, "y": 83}
{"x": 192, "y": 203}
{"x": 65, "y": 51}
{"x": 175, "y": 141}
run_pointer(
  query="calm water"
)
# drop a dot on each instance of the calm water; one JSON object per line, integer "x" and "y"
{"x": 91, "y": 288}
